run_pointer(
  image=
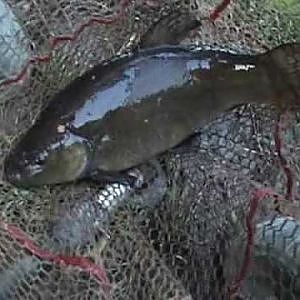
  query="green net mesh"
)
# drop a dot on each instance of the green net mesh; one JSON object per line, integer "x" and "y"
{"x": 188, "y": 233}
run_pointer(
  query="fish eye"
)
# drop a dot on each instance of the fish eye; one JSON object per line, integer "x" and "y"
{"x": 66, "y": 129}
{"x": 61, "y": 128}
{"x": 41, "y": 157}
{"x": 40, "y": 161}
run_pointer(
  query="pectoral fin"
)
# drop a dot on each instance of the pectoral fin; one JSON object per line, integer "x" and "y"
{"x": 104, "y": 177}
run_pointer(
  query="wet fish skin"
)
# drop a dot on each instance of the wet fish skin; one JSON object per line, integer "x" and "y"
{"x": 128, "y": 110}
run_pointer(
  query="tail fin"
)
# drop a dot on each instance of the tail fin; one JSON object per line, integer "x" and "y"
{"x": 283, "y": 67}
{"x": 170, "y": 29}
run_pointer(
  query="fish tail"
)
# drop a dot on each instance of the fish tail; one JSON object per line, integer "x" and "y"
{"x": 283, "y": 67}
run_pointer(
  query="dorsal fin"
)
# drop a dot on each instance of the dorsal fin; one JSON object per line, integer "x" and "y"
{"x": 169, "y": 30}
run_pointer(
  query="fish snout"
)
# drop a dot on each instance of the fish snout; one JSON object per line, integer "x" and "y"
{"x": 41, "y": 167}
{"x": 16, "y": 171}
{"x": 12, "y": 177}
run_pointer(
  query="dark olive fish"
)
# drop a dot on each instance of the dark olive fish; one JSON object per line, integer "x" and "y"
{"x": 126, "y": 111}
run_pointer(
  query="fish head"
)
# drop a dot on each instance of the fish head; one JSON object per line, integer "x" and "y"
{"x": 49, "y": 153}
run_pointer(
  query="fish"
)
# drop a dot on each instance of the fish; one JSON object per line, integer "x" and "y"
{"x": 130, "y": 109}
{"x": 170, "y": 29}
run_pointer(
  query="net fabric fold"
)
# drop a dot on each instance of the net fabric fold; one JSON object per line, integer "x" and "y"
{"x": 187, "y": 244}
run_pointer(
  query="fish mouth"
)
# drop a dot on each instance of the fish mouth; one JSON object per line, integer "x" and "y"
{"x": 12, "y": 173}
{"x": 54, "y": 169}
{"x": 37, "y": 176}
{"x": 12, "y": 177}
{"x": 18, "y": 174}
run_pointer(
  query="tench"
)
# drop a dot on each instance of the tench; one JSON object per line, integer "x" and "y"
{"x": 126, "y": 111}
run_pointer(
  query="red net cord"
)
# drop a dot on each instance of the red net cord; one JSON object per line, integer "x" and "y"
{"x": 84, "y": 263}
{"x": 81, "y": 262}
{"x": 257, "y": 196}
{"x": 283, "y": 162}
{"x": 17, "y": 234}
{"x": 58, "y": 40}
{"x": 216, "y": 13}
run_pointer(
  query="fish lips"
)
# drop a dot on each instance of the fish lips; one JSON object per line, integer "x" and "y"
{"x": 16, "y": 173}
{"x": 65, "y": 168}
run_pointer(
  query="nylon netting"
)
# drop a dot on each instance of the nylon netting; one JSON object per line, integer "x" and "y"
{"x": 212, "y": 222}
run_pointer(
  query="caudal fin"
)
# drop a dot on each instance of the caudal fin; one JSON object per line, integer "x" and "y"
{"x": 283, "y": 67}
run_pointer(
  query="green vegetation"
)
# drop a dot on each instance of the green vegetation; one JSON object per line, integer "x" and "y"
{"x": 290, "y": 10}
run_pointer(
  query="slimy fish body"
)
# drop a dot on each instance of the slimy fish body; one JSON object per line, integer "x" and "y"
{"x": 127, "y": 111}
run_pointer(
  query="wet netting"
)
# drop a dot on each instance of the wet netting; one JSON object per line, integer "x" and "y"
{"x": 216, "y": 217}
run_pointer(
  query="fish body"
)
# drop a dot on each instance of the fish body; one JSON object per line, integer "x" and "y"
{"x": 126, "y": 111}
